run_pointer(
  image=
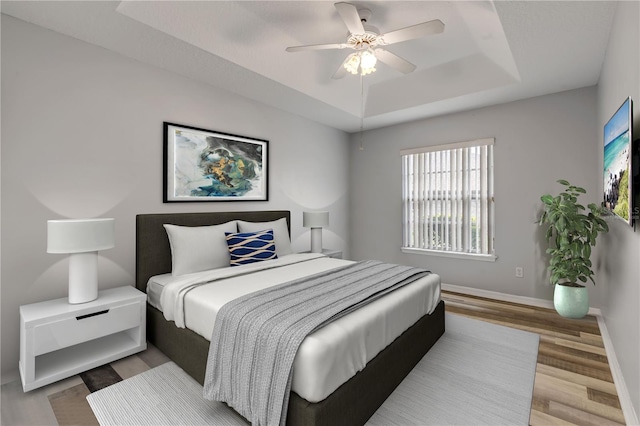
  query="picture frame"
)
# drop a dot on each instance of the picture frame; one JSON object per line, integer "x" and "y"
{"x": 618, "y": 170}
{"x": 203, "y": 165}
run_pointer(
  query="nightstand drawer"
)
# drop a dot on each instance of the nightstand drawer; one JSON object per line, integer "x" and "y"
{"x": 78, "y": 329}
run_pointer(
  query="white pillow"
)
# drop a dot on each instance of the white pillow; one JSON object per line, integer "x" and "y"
{"x": 280, "y": 233}
{"x": 198, "y": 248}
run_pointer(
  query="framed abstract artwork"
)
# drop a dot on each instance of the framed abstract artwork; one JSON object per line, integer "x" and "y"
{"x": 205, "y": 165}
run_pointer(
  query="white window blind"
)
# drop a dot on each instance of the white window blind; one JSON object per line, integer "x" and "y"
{"x": 447, "y": 194}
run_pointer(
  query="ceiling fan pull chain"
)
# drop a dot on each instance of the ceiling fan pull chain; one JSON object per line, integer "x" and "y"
{"x": 361, "y": 111}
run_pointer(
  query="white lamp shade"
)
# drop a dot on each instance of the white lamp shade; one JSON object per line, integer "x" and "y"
{"x": 315, "y": 219}
{"x": 80, "y": 235}
{"x": 82, "y": 239}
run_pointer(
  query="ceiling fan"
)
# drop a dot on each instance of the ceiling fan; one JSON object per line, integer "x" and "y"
{"x": 366, "y": 40}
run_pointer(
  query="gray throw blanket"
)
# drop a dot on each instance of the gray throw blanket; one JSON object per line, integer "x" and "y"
{"x": 256, "y": 337}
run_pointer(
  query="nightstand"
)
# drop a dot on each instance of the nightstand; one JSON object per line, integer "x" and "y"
{"x": 58, "y": 340}
{"x": 336, "y": 254}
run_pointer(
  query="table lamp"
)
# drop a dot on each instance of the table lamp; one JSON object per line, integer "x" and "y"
{"x": 81, "y": 239}
{"x": 315, "y": 221}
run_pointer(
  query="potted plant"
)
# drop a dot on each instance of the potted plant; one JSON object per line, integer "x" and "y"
{"x": 572, "y": 231}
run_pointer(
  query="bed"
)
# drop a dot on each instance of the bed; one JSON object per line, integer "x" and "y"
{"x": 351, "y": 403}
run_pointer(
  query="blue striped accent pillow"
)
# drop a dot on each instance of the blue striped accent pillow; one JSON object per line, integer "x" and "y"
{"x": 250, "y": 247}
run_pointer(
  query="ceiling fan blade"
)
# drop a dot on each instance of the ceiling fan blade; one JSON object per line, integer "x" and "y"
{"x": 316, "y": 47}
{"x": 415, "y": 31}
{"x": 340, "y": 72}
{"x": 350, "y": 16}
{"x": 394, "y": 61}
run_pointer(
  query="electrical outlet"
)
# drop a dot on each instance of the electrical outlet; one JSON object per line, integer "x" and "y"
{"x": 519, "y": 272}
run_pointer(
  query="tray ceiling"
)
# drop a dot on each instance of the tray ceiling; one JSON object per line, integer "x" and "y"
{"x": 489, "y": 52}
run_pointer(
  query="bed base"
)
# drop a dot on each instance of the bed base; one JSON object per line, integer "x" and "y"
{"x": 349, "y": 405}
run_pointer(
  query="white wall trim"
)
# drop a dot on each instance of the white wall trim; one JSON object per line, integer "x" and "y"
{"x": 621, "y": 388}
{"x": 451, "y": 254}
{"x": 531, "y": 301}
{"x": 629, "y": 412}
{"x": 540, "y": 303}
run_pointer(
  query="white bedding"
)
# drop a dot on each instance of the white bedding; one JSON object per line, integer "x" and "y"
{"x": 328, "y": 357}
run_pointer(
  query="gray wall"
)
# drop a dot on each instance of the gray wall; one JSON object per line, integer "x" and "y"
{"x": 537, "y": 141}
{"x": 620, "y": 78}
{"x": 82, "y": 137}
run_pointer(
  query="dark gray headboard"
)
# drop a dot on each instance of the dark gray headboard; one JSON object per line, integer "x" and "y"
{"x": 153, "y": 253}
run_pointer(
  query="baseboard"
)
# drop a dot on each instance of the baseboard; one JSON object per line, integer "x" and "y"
{"x": 531, "y": 301}
{"x": 524, "y": 300}
{"x": 630, "y": 415}
{"x": 621, "y": 388}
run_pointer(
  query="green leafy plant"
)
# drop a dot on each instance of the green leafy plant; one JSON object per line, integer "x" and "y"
{"x": 572, "y": 231}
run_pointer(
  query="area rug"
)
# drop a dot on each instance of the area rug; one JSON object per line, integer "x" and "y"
{"x": 476, "y": 374}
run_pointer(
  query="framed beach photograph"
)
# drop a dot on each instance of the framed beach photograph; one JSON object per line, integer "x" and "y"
{"x": 205, "y": 165}
{"x": 618, "y": 182}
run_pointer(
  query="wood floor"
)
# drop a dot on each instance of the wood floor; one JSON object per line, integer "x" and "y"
{"x": 573, "y": 383}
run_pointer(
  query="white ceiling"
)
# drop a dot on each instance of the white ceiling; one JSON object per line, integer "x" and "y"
{"x": 489, "y": 52}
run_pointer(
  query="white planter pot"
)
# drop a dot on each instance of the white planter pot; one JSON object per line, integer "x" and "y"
{"x": 571, "y": 302}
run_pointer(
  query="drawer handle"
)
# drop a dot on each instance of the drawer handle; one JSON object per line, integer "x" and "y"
{"x": 81, "y": 317}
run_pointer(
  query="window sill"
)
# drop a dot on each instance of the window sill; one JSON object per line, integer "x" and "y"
{"x": 453, "y": 255}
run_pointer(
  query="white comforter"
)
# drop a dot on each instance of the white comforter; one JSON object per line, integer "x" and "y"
{"x": 329, "y": 356}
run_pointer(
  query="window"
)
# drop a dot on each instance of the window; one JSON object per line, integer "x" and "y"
{"x": 447, "y": 195}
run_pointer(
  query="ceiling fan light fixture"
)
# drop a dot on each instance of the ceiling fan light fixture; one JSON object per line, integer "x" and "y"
{"x": 352, "y": 63}
{"x": 366, "y": 71}
{"x": 368, "y": 43}
{"x": 362, "y": 62}
{"x": 367, "y": 61}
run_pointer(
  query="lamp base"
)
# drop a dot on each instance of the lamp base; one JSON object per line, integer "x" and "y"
{"x": 316, "y": 240}
{"x": 83, "y": 277}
